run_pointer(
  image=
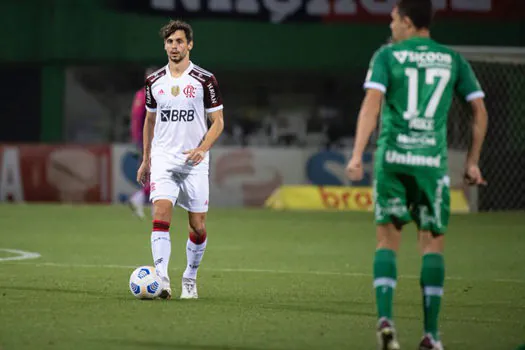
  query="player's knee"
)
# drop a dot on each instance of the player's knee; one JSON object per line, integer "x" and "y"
{"x": 162, "y": 210}
{"x": 198, "y": 233}
{"x": 198, "y": 227}
{"x": 431, "y": 243}
{"x": 197, "y": 222}
{"x": 388, "y": 237}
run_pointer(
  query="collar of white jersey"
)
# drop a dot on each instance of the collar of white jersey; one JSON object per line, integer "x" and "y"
{"x": 190, "y": 67}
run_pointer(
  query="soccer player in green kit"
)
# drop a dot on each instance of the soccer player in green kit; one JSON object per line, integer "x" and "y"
{"x": 411, "y": 83}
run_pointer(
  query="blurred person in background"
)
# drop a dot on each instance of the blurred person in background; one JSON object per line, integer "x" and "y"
{"x": 138, "y": 117}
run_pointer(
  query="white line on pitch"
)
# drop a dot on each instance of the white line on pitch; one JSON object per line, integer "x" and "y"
{"x": 320, "y": 273}
{"x": 20, "y": 255}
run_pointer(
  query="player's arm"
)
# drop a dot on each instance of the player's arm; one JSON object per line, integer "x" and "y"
{"x": 216, "y": 128}
{"x": 367, "y": 120}
{"x": 479, "y": 129}
{"x": 147, "y": 135}
{"x": 376, "y": 84}
{"x": 196, "y": 155}
{"x": 468, "y": 87}
{"x": 214, "y": 110}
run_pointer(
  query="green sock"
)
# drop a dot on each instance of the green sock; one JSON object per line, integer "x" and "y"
{"x": 385, "y": 277}
{"x": 432, "y": 280}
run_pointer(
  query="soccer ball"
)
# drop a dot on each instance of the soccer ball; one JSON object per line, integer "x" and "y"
{"x": 144, "y": 283}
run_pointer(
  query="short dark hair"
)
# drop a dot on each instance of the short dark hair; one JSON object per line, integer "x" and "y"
{"x": 420, "y": 12}
{"x": 175, "y": 25}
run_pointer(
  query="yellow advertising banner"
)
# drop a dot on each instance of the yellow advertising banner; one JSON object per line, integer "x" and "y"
{"x": 340, "y": 198}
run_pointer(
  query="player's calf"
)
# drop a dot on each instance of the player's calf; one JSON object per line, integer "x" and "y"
{"x": 385, "y": 270}
{"x": 385, "y": 280}
{"x": 195, "y": 248}
{"x": 161, "y": 242}
{"x": 432, "y": 280}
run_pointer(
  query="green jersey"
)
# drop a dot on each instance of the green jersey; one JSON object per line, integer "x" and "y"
{"x": 419, "y": 78}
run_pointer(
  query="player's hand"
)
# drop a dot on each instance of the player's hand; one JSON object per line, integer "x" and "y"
{"x": 195, "y": 156}
{"x": 354, "y": 169}
{"x": 143, "y": 173}
{"x": 473, "y": 176}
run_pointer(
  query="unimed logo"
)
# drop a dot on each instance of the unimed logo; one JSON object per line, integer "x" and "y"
{"x": 346, "y": 197}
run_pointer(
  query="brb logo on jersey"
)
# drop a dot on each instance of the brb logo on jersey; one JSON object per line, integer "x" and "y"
{"x": 177, "y": 115}
{"x": 189, "y": 91}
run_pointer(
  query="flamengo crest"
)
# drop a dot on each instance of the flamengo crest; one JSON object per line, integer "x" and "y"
{"x": 189, "y": 91}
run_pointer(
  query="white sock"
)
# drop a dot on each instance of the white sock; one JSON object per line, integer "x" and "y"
{"x": 161, "y": 250}
{"x": 138, "y": 198}
{"x": 194, "y": 253}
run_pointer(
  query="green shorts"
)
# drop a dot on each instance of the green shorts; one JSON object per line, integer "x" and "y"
{"x": 401, "y": 198}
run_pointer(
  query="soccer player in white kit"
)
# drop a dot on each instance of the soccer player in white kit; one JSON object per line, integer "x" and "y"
{"x": 180, "y": 98}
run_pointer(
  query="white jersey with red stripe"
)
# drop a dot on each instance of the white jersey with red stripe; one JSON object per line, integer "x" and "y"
{"x": 182, "y": 105}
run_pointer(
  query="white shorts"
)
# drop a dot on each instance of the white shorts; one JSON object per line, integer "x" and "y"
{"x": 188, "y": 191}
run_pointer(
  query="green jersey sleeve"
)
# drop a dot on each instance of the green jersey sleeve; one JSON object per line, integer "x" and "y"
{"x": 377, "y": 76}
{"x": 467, "y": 85}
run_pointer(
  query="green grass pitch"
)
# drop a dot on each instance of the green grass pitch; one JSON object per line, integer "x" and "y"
{"x": 269, "y": 280}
